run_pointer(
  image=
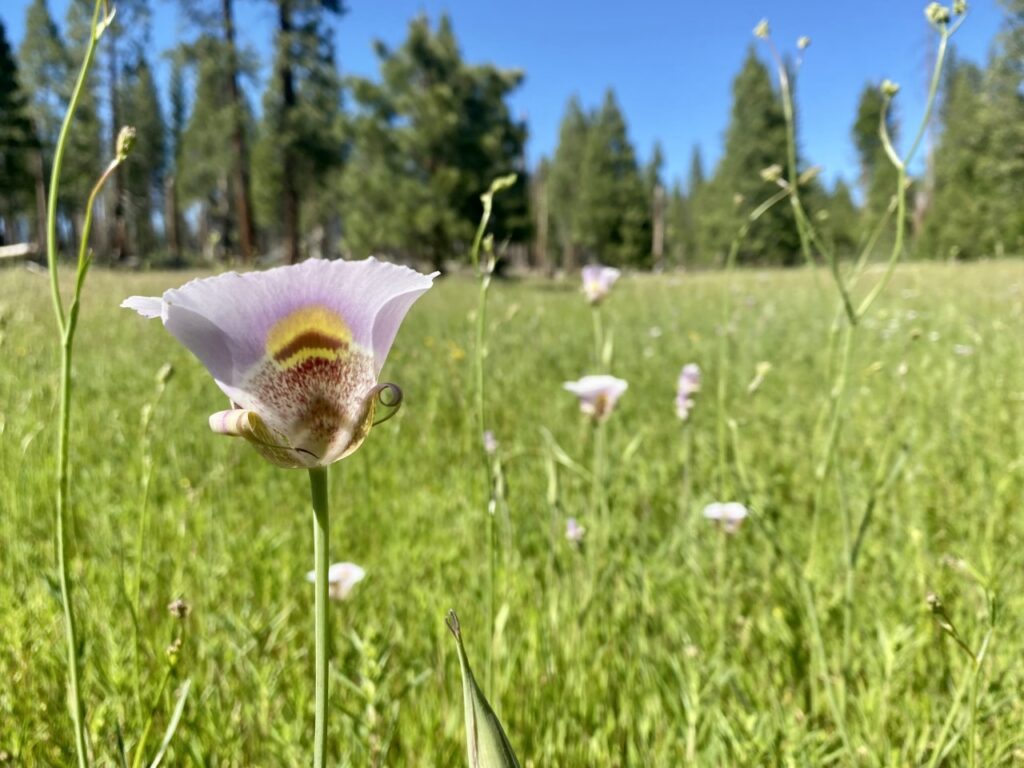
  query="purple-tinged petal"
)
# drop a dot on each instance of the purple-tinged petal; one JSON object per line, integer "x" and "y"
{"x": 297, "y": 347}
{"x": 597, "y": 394}
{"x": 147, "y": 306}
{"x": 598, "y": 281}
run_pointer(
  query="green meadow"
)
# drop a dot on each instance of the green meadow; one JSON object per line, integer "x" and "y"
{"x": 661, "y": 641}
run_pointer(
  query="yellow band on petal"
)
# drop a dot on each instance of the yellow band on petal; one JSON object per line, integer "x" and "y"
{"x": 310, "y": 332}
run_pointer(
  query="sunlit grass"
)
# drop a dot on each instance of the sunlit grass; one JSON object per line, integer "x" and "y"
{"x": 671, "y": 642}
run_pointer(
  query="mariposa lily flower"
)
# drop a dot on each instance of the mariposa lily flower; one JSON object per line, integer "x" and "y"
{"x": 598, "y": 281}
{"x": 296, "y": 349}
{"x": 597, "y": 394}
{"x": 341, "y": 579}
{"x": 687, "y": 387}
{"x": 730, "y": 515}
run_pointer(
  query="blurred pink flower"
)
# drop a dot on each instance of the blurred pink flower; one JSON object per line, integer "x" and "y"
{"x": 574, "y": 532}
{"x": 688, "y": 386}
{"x": 297, "y": 349}
{"x": 598, "y": 281}
{"x": 597, "y": 394}
{"x": 341, "y": 579}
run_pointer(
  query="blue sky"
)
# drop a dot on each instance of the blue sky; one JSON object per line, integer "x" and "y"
{"x": 671, "y": 63}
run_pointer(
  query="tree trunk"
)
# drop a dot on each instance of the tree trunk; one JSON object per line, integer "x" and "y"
{"x": 171, "y": 221}
{"x": 290, "y": 201}
{"x": 540, "y": 259}
{"x": 39, "y": 171}
{"x": 658, "y": 227}
{"x": 240, "y": 171}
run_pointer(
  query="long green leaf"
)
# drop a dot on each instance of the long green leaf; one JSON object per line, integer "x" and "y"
{"x": 172, "y": 726}
{"x": 486, "y": 743}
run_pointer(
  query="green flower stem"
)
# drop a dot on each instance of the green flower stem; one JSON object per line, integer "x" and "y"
{"x": 901, "y": 164}
{"x": 321, "y": 530}
{"x": 66, "y": 329}
{"x": 723, "y": 337}
{"x": 484, "y": 272}
{"x": 598, "y": 338}
{"x": 598, "y": 489}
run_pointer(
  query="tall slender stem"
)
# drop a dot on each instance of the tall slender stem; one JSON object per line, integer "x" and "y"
{"x": 321, "y": 529}
{"x": 598, "y": 493}
{"x": 66, "y": 329}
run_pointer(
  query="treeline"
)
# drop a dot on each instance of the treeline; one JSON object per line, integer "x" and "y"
{"x": 332, "y": 166}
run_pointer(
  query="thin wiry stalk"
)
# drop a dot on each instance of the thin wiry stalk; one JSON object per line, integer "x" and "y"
{"x": 484, "y": 272}
{"x": 805, "y": 229}
{"x": 66, "y": 324}
{"x": 901, "y": 164}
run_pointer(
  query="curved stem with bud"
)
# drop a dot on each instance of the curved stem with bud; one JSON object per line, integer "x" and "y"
{"x": 66, "y": 325}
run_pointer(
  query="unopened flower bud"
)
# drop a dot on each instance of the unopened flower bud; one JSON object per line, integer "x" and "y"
{"x": 762, "y": 30}
{"x": 809, "y": 175}
{"x": 803, "y": 42}
{"x": 889, "y": 88}
{"x": 173, "y": 649}
{"x": 937, "y": 13}
{"x": 165, "y": 373}
{"x": 959, "y": 7}
{"x": 772, "y": 173}
{"x": 125, "y": 142}
{"x": 502, "y": 183}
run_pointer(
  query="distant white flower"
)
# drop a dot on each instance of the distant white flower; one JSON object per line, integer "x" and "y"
{"x": 598, "y": 281}
{"x": 730, "y": 515}
{"x": 687, "y": 387}
{"x": 597, "y": 394}
{"x": 574, "y": 532}
{"x": 654, "y": 332}
{"x": 490, "y": 443}
{"x": 341, "y": 579}
{"x": 963, "y": 350}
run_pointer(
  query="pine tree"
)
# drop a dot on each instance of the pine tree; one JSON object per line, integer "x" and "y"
{"x": 427, "y": 140}
{"x": 178, "y": 117}
{"x": 689, "y": 214}
{"x": 84, "y": 156}
{"x": 678, "y": 228}
{"x": 215, "y": 142}
{"x": 301, "y": 143}
{"x": 614, "y": 209}
{"x": 564, "y": 182}
{"x": 44, "y": 76}
{"x": 654, "y": 185}
{"x": 128, "y": 33}
{"x": 1001, "y": 164}
{"x": 755, "y": 139}
{"x": 17, "y": 145}
{"x": 237, "y": 118}
{"x": 955, "y": 221}
{"x": 840, "y": 220}
{"x": 145, "y": 169}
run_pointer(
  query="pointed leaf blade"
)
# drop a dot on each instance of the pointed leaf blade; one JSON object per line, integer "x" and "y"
{"x": 486, "y": 743}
